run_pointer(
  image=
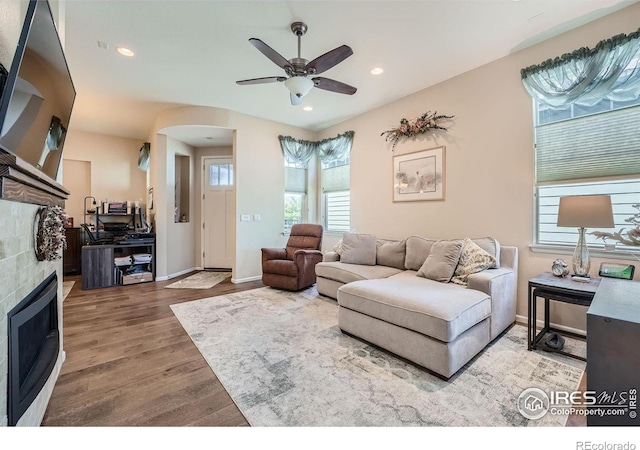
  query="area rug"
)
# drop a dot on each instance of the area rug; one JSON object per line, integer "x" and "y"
{"x": 285, "y": 362}
{"x": 66, "y": 288}
{"x": 200, "y": 280}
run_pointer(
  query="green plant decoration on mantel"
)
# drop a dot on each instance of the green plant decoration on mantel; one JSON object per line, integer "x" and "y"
{"x": 413, "y": 127}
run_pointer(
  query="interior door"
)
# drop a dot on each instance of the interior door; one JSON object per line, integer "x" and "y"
{"x": 219, "y": 197}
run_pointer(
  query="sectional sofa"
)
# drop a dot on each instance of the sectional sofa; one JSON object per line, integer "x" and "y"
{"x": 437, "y": 303}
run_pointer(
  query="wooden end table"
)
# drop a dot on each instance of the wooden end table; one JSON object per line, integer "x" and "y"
{"x": 565, "y": 290}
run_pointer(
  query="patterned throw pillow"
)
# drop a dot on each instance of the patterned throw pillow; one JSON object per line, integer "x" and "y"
{"x": 473, "y": 259}
{"x": 339, "y": 248}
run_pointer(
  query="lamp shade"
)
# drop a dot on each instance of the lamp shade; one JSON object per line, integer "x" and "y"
{"x": 585, "y": 211}
{"x": 299, "y": 85}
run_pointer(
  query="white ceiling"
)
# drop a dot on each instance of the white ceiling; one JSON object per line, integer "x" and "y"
{"x": 192, "y": 52}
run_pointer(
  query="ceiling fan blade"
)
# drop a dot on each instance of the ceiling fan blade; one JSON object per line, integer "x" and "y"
{"x": 329, "y": 59}
{"x": 262, "y": 80}
{"x": 270, "y": 53}
{"x": 295, "y": 100}
{"x": 333, "y": 85}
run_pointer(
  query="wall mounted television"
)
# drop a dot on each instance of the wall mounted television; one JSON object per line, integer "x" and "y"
{"x": 38, "y": 96}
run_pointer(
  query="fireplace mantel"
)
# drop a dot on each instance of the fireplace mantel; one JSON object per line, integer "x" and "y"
{"x": 21, "y": 182}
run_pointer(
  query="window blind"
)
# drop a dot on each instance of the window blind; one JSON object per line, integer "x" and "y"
{"x": 338, "y": 211}
{"x": 595, "y": 146}
{"x": 624, "y": 194}
{"x": 295, "y": 179}
{"x": 336, "y": 179}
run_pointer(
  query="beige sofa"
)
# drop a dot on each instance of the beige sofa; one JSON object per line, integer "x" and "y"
{"x": 438, "y": 325}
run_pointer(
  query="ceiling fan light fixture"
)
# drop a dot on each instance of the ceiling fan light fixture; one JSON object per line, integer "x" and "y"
{"x": 299, "y": 85}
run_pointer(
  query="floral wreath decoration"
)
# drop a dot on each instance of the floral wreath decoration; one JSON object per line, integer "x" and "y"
{"x": 50, "y": 236}
{"x": 415, "y": 126}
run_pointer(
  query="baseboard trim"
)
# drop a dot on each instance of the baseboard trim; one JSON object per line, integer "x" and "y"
{"x": 540, "y": 323}
{"x": 246, "y": 280}
{"x": 177, "y": 274}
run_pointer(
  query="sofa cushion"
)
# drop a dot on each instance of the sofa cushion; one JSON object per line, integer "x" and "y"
{"x": 347, "y": 273}
{"x": 442, "y": 261}
{"x": 491, "y": 246}
{"x": 441, "y": 311}
{"x": 417, "y": 251}
{"x": 358, "y": 249}
{"x": 473, "y": 259}
{"x": 338, "y": 248}
{"x": 391, "y": 253}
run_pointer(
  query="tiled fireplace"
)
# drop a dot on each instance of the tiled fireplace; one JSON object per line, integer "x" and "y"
{"x": 20, "y": 274}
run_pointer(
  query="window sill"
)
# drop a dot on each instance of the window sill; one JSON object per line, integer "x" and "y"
{"x": 598, "y": 252}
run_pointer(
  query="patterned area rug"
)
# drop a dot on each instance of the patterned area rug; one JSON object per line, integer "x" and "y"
{"x": 285, "y": 362}
{"x": 66, "y": 288}
{"x": 200, "y": 280}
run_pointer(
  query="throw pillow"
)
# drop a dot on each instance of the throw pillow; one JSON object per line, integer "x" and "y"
{"x": 417, "y": 251}
{"x": 339, "y": 248}
{"x": 473, "y": 259}
{"x": 391, "y": 253}
{"x": 442, "y": 261}
{"x": 491, "y": 246}
{"x": 358, "y": 249}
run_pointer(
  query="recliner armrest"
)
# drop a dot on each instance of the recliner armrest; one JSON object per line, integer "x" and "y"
{"x": 273, "y": 253}
{"x": 307, "y": 254}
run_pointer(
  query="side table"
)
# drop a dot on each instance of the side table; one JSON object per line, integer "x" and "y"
{"x": 565, "y": 290}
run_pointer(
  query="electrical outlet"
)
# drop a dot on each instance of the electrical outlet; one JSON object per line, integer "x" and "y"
{"x": 257, "y": 218}
{"x": 245, "y": 218}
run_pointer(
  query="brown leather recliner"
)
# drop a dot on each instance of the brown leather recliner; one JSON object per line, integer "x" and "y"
{"x": 294, "y": 268}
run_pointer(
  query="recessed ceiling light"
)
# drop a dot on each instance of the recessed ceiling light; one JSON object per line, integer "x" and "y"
{"x": 308, "y": 108}
{"x": 377, "y": 70}
{"x": 124, "y": 51}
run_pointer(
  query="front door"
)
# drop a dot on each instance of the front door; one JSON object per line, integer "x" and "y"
{"x": 219, "y": 197}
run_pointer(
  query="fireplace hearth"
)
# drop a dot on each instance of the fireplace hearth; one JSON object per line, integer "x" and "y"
{"x": 34, "y": 344}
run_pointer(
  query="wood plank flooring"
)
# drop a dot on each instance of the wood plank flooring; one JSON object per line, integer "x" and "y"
{"x": 130, "y": 362}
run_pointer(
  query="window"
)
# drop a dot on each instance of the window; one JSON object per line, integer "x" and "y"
{"x": 586, "y": 150}
{"x": 295, "y": 194}
{"x": 336, "y": 195}
{"x": 221, "y": 175}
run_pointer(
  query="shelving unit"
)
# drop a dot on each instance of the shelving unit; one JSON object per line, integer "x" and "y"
{"x": 98, "y": 221}
{"x": 107, "y": 265}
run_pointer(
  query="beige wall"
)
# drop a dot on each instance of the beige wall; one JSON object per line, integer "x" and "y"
{"x": 114, "y": 166}
{"x": 259, "y": 180}
{"x": 180, "y": 237}
{"x": 489, "y": 157}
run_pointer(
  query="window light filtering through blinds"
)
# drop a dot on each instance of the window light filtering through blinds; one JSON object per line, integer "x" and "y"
{"x": 624, "y": 194}
{"x": 595, "y": 146}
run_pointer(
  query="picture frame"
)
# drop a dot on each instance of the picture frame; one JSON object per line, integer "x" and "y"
{"x": 419, "y": 176}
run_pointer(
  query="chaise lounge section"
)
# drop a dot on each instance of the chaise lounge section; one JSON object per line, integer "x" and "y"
{"x": 435, "y": 323}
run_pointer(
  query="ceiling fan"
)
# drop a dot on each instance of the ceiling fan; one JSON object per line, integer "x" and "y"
{"x": 300, "y": 72}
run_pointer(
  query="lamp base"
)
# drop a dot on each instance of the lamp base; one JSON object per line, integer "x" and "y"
{"x": 581, "y": 260}
{"x": 581, "y": 279}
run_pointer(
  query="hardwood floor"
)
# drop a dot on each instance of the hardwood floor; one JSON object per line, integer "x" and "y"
{"x": 130, "y": 362}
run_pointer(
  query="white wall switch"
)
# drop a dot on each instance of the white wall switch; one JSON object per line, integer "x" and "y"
{"x": 245, "y": 218}
{"x": 257, "y": 218}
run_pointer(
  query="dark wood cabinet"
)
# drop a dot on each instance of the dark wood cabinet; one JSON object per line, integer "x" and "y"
{"x": 97, "y": 266}
{"x": 613, "y": 363}
{"x": 72, "y": 255}
{"x": 118, "y": 264}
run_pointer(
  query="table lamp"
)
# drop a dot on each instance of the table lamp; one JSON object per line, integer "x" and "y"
{"x": 584, "y": 211}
